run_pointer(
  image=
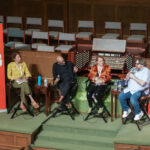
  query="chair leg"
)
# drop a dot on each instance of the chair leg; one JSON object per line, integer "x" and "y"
{"x": 28, "y": 110}
{"x": 77, "y": 112}
{"x": 89, "y": 114}
{"x": 145, "y": 112}
{"x": 94, "y": 111}
{"x": 106, "y": 110}
{"x": 16, "y": 109}
{"x": 102, "y": 116}
{"x": 138, "y": 126}
{"x": 59, "y": 109}
{"x": 130, "y": 117}
{"x": 51, "y": 116}
{"x": 9, "y": 110}
{"x": 68, "y": 111}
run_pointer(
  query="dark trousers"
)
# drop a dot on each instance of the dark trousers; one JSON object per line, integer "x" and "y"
{"x": 98, "y": 91}
{"x": 65, "y": 88}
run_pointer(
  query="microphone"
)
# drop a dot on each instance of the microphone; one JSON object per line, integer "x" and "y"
{"x": 97, "y": 74}
{"x": 58, "y": 76}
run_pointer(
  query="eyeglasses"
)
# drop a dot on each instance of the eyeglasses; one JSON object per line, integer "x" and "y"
{"x": 137, "y": 63}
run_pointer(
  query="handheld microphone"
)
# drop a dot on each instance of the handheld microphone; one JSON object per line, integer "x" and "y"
{"x": 97, "y": 74}
{"x": 58, "y": 76}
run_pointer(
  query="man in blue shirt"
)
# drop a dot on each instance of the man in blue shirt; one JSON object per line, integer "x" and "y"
{"x": 138, "y": 80}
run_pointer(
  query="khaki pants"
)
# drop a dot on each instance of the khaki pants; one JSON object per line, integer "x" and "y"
{"x": 25, "y": 90}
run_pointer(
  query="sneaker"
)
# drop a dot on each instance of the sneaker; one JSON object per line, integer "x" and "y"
{"x": 138, "y": 116}
{"x": 89, "y": 111}
{"x": 100, "y": 110}
{"x": 126, "y": 113}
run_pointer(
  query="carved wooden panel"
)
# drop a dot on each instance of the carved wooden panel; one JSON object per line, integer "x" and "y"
{"x": 5, "y": 138}
{"x": 30, "y": 8}
{"x": 57, "y": 10}
{"x": 15, "y": 139}
{"x": 103, "y": 13}
{"x": 128, "y": 14}
{"x": 79, "y": 10}
{"x": 126, "y": 147}
{"x": 6, "y": 7}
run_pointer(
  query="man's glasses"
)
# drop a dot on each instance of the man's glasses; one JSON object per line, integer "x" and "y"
{"x": 137, "y": 63}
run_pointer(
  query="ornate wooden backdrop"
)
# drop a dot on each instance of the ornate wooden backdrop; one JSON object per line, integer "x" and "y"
{"x": 72, "y": 10}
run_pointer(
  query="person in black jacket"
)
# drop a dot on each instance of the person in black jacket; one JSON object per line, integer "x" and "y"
{"x": 63, "y": 74}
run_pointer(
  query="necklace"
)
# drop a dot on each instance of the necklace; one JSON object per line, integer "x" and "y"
{"x": 19, "y": 68}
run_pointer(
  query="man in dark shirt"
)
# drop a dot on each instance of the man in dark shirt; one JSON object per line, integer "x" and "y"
{"x": 63, "y": 73}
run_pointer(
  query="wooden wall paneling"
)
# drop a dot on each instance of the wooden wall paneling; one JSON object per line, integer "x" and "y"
{"x": 39, "y": 148}
{"x": 15, "y": 139}
{"x": 131, "y": 147}
{"x": 144, "y": 147}
{"x": 6, "y": 7}
{"x": 126, "y": 147}
{"x": 70, "y": 11}
{"x": 30, "y": 8}
{"x": 57, "y": 10}
{"x": 102, "y": 13}
{"x": 79, "y": 10}
{"x": 44, "y": 15}
{"x": 40, "y": 63}
{"x": 128, "y": 14}
{"x": 144, "y": 15}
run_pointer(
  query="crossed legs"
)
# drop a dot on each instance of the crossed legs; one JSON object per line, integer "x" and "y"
{"x": 25, "y": 90}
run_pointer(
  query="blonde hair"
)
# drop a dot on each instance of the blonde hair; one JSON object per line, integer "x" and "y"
{"x": 100, "y": 57}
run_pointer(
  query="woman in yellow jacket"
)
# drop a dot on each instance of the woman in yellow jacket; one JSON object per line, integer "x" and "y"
{"x": 18, "y": 73}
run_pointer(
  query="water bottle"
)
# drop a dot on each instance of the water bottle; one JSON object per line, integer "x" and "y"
{"x": 39, "y": 80}
{"x": 45, "y": 82}
{"x": 119, "y": 86}
{"x": 115, "y": 86}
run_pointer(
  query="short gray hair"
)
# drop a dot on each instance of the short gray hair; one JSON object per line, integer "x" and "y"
{"x": 142, "y": 61}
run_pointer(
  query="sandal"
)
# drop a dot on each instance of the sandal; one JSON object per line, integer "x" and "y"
{"x": 23, "y": 107}
{"x": 35, "y": 105}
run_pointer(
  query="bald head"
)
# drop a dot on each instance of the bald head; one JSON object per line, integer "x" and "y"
{"x": 60, "y": 60}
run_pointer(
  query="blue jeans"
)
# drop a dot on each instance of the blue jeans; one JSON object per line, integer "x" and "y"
{"x": 134, "y": 100}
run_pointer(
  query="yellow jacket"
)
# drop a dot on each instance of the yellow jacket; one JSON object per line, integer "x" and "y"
{"x": 13, "y": 72}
